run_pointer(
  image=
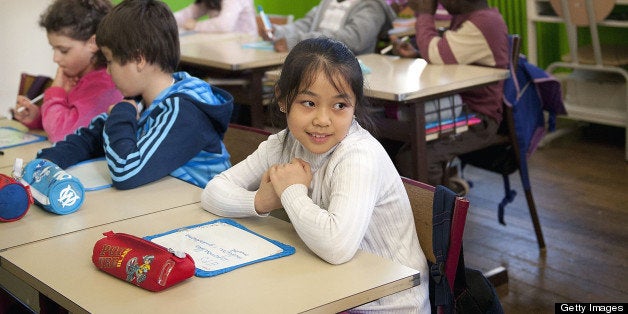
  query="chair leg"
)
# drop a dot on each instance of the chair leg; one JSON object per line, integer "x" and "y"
{"x": 535, "y": 219}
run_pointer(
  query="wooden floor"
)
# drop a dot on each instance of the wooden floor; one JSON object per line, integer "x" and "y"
{"x": 580, "y": 185}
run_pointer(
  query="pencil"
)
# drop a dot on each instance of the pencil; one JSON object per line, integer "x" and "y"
{"x": 34, "y": 100}
{"x": 390, "y": 47}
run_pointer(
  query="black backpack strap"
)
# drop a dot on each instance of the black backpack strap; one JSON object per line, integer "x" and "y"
{"x": 444, "y": 202}
{"x": 509, "y": 196}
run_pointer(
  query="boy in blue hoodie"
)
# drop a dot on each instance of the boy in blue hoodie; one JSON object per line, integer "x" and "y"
{"x": 168, "y": 124}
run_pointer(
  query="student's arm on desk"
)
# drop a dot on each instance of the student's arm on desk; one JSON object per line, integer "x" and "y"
{"x": 84, "y": 144}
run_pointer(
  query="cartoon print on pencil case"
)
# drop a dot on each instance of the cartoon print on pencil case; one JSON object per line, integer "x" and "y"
{"x": 139, "y": 272}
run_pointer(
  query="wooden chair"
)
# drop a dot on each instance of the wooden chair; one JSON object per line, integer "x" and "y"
{"x": 32, "y": 86}
{"x": 421, "y": 197}
{"x": 509, "y": 156}
{"x": 242, "y": 140}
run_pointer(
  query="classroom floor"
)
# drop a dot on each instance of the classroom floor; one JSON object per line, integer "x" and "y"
{"x": 579, "y": 184}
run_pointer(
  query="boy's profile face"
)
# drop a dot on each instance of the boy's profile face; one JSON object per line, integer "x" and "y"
{"x": 124, "y": 76}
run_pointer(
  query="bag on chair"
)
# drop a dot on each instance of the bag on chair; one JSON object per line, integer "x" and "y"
{"x": 472, "y": 292}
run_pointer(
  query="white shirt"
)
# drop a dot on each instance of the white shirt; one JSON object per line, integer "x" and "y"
{"x": 356, "y": 201}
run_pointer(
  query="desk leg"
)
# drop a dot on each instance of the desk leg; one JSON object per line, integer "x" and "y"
{"x": 256, "y": 93}
{"x": 417, "y": 142}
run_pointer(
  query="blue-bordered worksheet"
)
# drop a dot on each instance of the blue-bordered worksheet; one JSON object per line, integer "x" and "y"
{"x": 10, "y": 137}
{"x": 221, "y": 245}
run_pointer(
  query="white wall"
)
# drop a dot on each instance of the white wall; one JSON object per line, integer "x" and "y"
{"x": 23, "y": 46}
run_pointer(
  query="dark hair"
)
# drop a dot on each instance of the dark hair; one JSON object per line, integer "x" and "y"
{"x": 211, "y": 4}
{"x": 335, "y": 60}
{"x": 77, "y": 19}
{"x": 141, "y": 28}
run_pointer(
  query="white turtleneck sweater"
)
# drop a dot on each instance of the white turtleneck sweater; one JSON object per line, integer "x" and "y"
{"x": 356, "y": 201}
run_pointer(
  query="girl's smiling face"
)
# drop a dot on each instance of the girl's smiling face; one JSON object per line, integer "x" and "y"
{"x": 321, "y": 114}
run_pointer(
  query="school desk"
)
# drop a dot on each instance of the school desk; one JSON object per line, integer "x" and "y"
{"x": 411, "y": 82}
{"x": 225, "y": 56}
{"x": 25, "y": 151}
{"x": 62, "y": 269}
{"x": 99, "y": 207}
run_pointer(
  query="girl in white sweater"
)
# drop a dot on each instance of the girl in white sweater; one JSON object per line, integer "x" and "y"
{"x": 335, "y": 181}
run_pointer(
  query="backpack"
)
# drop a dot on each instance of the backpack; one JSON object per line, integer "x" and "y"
{"x": 472, "y": 292}
{"x": 536, "y": 100}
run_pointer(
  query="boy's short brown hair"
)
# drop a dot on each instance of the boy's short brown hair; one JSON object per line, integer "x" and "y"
{"x": 141, "y": 28}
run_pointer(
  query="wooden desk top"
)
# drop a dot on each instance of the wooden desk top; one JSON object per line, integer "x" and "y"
{"x": 225, "y": 51}
{"x": 26, "y": 152}
{"x": 301, "y": 282}
{"x": 402, "y": 79}
{"x": 100, "y": 207}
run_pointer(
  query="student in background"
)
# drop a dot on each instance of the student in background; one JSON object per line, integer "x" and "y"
{"x": 356, "y": 23}
{"x": 333, "y": 178}
{"x": 224, "y": 16}
{"x": 170, "y": 124}
{"x": 81, "y": 88}
{"x": 478, "y": 35}
{"x": 397, "y": 5}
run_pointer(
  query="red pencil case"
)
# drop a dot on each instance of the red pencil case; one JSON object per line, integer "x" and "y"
{"x": 140, "y": 262}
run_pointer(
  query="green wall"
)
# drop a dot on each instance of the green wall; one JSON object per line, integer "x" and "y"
{"x": 297, "y": 8}
{"x": 552, "y": 38}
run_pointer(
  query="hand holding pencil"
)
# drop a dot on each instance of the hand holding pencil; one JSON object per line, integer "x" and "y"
{"x": 402, "y": 47}
{"x": 26, "y": 110}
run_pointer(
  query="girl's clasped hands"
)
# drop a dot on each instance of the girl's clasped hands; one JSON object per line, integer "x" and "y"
{"x": 276, "y": 179}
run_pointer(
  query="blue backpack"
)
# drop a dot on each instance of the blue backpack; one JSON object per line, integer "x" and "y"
{"x": 529, "y": 92}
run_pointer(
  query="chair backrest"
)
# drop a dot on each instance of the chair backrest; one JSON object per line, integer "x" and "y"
{"x": 242, "y": 140}
{"x": 421, "y": 197}
{"x": 514, "y": 41}
{"x": 588, "y": 13}
{"x": 583, "y": 12}
{"x": 32, "y": 86}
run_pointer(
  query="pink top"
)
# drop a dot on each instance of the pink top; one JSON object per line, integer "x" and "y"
{"x": 235, "y": 16}
{"x": 62, "y": 113}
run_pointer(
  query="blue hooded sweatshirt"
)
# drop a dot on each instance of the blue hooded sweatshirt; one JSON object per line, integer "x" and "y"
{"x": 179, "y": 134}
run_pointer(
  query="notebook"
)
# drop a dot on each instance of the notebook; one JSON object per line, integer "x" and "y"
{"x": 93, "y": 174}
{"x": 10, "y": 137}
{"x": 221, "y": 245}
